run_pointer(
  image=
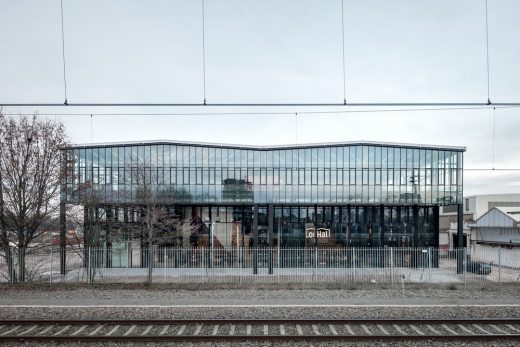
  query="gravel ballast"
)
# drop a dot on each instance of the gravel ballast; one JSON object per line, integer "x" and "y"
{"x": 170, "y": 302}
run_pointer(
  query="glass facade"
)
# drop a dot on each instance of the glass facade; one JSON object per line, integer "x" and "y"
{"x": 328, "y": 195}
{"x": 325, "y": 174}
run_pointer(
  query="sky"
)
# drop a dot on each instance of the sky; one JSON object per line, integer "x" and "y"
{"x": 283, "y": 51}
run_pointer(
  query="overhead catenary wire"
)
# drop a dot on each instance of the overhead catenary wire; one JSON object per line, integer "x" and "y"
{"x": 246, "y": 113}
{"x": 494, "y": 122}
{"x": 248, "y": 104}
{"x": 203, "y": 52}
{"x": 487, "y": 52}
{"x": 343, "y": 50}
{"x": 63, "y": 55}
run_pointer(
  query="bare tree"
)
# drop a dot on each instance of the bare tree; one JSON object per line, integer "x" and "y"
{"x": 156, "y": 220}
{"x": 30, "y": 178}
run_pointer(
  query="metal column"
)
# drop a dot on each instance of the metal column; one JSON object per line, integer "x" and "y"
{"x": 460, "y": 238}
{"x": 255, "y": 239}
{"x": 270, "y": 217}
{"x": 63, "y": 239}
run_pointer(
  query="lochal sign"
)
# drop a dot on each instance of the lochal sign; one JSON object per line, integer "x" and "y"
{"x": 321, "y": 233}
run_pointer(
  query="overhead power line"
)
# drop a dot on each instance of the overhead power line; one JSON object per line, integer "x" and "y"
{"x": 63, "y": 54}
{"x": 245, "y": 113}
{"x": 487, "y": 51}
{"x": 248, "y": 104}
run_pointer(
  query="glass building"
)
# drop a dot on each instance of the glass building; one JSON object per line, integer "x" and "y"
{"x": 352, "y": 194}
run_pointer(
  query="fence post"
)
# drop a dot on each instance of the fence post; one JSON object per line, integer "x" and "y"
{"x": 315, "y": 263}
{"x": 464, "y": 265}
{"x": 499, "y": 265}
{"x": 429, "y": 265}
{"x": 392, "y": 265}
{"x": 50, "y": 275}
{"x": 278, "y": 264}
{"x": 354, "y": 264}
{"x": 89, "y": 267}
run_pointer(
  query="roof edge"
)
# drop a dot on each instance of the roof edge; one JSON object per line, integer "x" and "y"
{"x": 270, "y": 147}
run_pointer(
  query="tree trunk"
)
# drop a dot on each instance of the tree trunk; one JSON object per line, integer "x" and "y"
{"x": 150, "y": 263}
{"x": 21, "y": 264}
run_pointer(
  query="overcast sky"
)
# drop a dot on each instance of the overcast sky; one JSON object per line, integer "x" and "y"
{"x": 274, "y": 51}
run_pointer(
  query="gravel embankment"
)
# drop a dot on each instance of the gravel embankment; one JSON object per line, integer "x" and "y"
{"x": 135, "y": 298}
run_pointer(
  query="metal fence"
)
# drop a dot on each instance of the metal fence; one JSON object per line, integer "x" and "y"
{"x": 240, "y": 265}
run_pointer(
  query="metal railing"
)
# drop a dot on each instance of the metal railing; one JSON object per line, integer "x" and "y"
{"x": 240, "y": 265}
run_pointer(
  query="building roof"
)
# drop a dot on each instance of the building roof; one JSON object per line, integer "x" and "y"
{"x": 513, "y": 212}
{"x": 501, "y": 195}
{"x": 499, "y": 217}
{"x": 270, "y": 147}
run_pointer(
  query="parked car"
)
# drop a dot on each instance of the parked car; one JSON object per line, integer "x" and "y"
{"x": 478, "y": 267}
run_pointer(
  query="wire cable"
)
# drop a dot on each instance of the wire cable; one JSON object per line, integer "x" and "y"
{"x": 494, "y": 121}
{"x": 63, "y": 54}
{"x": 244, "y": 113}
{"x": 343, "y": 46}
{"x": 248, "y": 104}
{"x": 203, "y": 53}
{"x": 487, "y": 52}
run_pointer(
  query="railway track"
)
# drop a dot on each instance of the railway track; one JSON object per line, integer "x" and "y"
{"x": 207, "y": 330}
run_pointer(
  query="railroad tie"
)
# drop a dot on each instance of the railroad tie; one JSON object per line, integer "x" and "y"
{"x": 45, "y": 330}
{"x": 96, "y": 330}
{"x": 365, "y": 328}
{"x": 399, "y": 330}
{"x": 79, "y": 330}
{"x": 282, "y": 329}
{"x": 197, "y": 331}
{"x": 248, "y": 331}
{"x": 435, "y": 331}
{"x": 116, "y": 328}
{"x": 448, "y": 329}
{"x": 299, "y": 329}
{"x": 332, "y": 329}
{"x": 215, "y": 330}
{"x": 466, "y": 329}
{"x": 164, "y": 330}
{"x": 499, "y": 330}
{"x": 510, "y": 326}
{"x": 266, "y": 329}
{"x": 130, "y": 330}
{"x": 315, "y": 329}
{"x": 147, "y": 330}
{"x": 181, "y": 330}
{"x": 62, "y": 330}
{"x": 416, "y": 329}
{"x": 482, "y": 329}
{"x": 382, "y": 328}
{"x": 349, "y": 329}
{"x": 12, "y": 330}
{"x": 232, "y": 330}
{"x": 28, "y": 330}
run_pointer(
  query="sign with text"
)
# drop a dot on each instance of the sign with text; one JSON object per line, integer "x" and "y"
{"x": 321, "y": 233}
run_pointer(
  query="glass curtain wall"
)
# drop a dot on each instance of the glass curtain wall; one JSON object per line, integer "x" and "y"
{"x": 355, "y": 174}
